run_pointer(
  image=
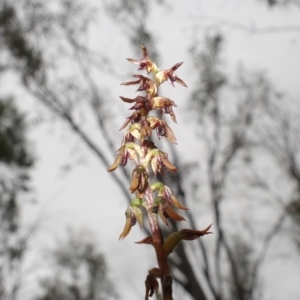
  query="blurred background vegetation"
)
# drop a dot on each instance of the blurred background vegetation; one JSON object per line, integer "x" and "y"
{"x": 67, "y": 57}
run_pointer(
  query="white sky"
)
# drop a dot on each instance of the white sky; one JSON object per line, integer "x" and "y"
{"x": 86, "y": 196}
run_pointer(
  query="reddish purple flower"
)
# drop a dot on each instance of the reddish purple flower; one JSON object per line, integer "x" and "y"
{"x": 146, "y": 84}
{"x": 145, "y": 63}
{"x": 170, "y": 76}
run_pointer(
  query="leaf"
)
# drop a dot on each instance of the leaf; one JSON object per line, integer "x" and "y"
{"x": 190, "y": 234}
{"x": 147, "y": 240}
{"x": 172, "y": 241}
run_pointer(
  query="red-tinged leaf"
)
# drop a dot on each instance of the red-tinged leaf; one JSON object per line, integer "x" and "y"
{"x": 147, "y": 240}
{"x": 190, "y": 234}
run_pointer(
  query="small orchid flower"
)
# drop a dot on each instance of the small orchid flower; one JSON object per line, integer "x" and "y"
{"x": 139, "y": 180}
{"x": 140, "y": 102}
{"x": 137, "y": 131}
{"x": 129, "y": 150}
{"x": 165, "y": 211}
{"x": 159, "y": 160}
{"x": 121, "y": 159}
{"x": 130, "y": 221}
{"x": 146, "y": 84}
{"x": 162, "y": 129}
{"x": 165, "y": 192}
{"x": 132, "y": 214}
{"x": 163, "y": 161}
{"x": 134, "y": 118}
{"x": 145, "y": 63}
{"x": 164, "y": 106}
{"x": 169, "y": 75}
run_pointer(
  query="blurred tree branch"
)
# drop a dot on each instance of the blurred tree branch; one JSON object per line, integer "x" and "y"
{"x": 231, "y": 118}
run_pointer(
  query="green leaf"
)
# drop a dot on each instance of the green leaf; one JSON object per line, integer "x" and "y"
{"x": 172, "y": 241}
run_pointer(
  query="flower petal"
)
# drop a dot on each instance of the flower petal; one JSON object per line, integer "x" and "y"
{"x": 177, "y": 204}
{"x": 173, "y": 214}
{"x": 115, "y": 164}
{"x": 138, "y": 215}
{"x": 126, "y": 229}
{"x": 166, "y": 162}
